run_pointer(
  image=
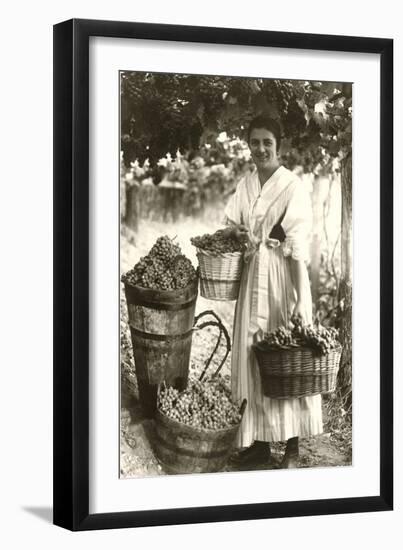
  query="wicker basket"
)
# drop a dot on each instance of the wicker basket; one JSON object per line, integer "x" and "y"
{"x": 297, "y": 372}
{"x": 220, "y": 275}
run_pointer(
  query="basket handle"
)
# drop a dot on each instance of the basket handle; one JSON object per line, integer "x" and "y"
{"x": 218, "y": 323}
{"x": 208, "y": 312}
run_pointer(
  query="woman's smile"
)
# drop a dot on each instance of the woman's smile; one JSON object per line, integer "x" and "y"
{"x": 263, "y": 147}
{"x": 262, "y": 157}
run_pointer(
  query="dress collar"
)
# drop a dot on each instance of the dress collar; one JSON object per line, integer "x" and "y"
{"x": 254, "y": 191}
{"x": 272, "y": 180}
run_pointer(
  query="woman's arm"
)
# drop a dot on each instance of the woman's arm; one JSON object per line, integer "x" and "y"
{"x": 299, "y": 275}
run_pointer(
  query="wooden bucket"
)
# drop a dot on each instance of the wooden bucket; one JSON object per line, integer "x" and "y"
{"x": 185, "y": 449}
{"x": 161, "y": 323}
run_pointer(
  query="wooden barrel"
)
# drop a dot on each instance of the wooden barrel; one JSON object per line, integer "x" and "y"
{"x": 161, "y": 323}
{"x": 185, "y": 449}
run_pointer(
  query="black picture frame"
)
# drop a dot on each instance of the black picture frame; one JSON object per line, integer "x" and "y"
{"x": 71, "y": 274}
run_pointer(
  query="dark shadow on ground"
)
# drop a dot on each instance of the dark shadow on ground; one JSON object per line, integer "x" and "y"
{"x": 44, "y": 513}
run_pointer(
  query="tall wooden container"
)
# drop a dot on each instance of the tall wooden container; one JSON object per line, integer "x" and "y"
{"x": 161, "y": 324}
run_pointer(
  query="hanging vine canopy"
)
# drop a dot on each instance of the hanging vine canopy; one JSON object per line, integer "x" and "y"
{"x": 162, "y": 113}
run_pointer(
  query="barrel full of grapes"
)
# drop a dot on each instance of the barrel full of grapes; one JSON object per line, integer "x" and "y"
{"x": 161, "y": 327}
{"x": 185, "y": 449}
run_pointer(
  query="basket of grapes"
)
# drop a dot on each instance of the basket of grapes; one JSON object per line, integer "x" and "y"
{"x": 220, "y": 262}
{"x": 196, "y": 428}
{"x": 300, "y": 361}
{"x": 161, "y": 292}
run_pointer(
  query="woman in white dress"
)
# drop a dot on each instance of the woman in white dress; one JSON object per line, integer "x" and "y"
{"x": 271, "y": 210}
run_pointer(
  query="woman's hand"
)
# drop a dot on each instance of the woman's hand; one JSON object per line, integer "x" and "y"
{"x": 238, "y": 232}
{"x": 299, "y": 310}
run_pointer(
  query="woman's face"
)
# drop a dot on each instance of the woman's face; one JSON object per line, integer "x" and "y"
{"x": 263, "y": 147}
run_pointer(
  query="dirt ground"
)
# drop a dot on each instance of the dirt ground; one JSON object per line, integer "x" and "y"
{"x": 137, "y": 458}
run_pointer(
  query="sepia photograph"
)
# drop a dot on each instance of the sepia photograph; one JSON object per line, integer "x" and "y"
{"x": 236, "y": 274}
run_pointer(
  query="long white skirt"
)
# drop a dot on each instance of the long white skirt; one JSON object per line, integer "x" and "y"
{"x": 267, "y": 419}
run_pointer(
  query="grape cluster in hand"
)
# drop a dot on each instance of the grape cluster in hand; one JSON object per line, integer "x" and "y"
{"x": 217, "y": 243}
{"x": 203, "y": 404}
{"x": 317, "y": 337}
{"x": 164, "y": 268}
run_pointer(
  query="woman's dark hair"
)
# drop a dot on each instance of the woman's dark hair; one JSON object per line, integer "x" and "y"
{"x": 264, "y": 121}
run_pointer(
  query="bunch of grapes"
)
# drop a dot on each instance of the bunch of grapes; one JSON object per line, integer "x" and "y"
{"x": 203, "y": 404}
{"x": 317, "y": 337}
{"x": 320, "y": 338}
{"x": 165, "y": 249}
{"x": 183, "y": 271}
{"x": 217, "y": 243}
{"x": 280, "y": 338}
{"x": 285, "y": 94}
{"x": 164, "y": 268}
